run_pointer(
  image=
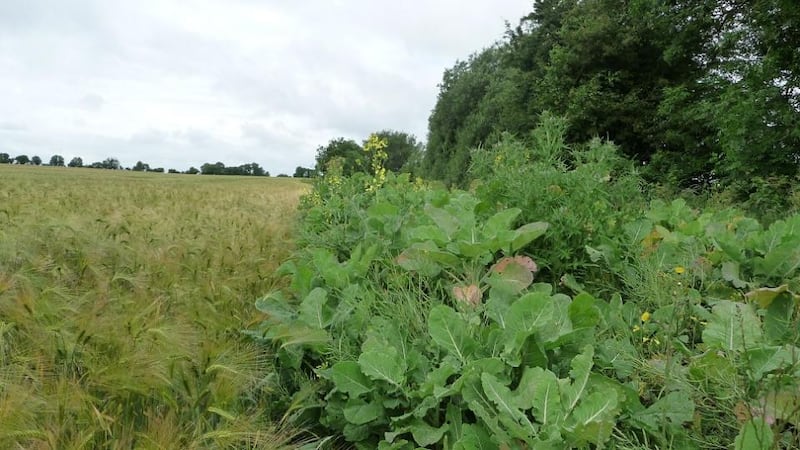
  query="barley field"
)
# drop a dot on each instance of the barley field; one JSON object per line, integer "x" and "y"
{"x": 122, "y": 300}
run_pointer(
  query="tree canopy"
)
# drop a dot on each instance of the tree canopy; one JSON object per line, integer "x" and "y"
{"x": 694, "y": 90}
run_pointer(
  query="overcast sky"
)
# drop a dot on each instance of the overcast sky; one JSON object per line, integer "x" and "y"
{"x": 179, "y": 83}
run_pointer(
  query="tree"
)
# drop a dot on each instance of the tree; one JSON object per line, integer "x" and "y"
{"x": 455, "y": 125}
{"x": 352, "y": 155}
{"x": 57, "y": 160}
{"x": 22, "y": 159}
{"x": 5, "y": 158}
{"x": 193, "y": 171}
{"x": 217, "y": 168}
{"x": 76, "y": 162}
{"x": 108, "y": 163}
{"x": 402, "y": 147}
{"x": 140, "y": 167}
{"x": 36, "y": 161}
{"x": 303, "y": 172}
{"x": 158, "y": 170}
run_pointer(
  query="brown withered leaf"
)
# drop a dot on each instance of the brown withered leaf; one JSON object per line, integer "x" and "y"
{"x": 470, "y": 294}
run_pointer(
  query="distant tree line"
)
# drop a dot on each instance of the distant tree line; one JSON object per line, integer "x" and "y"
{"x": 218, "y": 168}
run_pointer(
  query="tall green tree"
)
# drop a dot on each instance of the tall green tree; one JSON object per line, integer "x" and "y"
{"x": 140, "y": 167}
{"x": 352, "y": 155}
{"x": 22, "y": 159}
{"x": 5, "y": 158}
{"x": 401, "y": 148}
{"x": 456, "y": 124}
{"x": 76, "y": 162}
{"x": 57, "y": 160}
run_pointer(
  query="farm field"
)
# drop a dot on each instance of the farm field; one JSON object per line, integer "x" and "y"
{"x": 122, "y": 300}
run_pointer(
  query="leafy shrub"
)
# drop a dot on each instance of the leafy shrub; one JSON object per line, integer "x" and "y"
{"x": 417, "y": 316}
{"x": 586, "y": 193}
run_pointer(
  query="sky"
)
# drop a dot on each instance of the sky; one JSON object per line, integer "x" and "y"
{"x": 180, "y": 83}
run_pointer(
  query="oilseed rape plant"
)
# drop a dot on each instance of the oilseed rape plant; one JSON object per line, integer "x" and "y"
{"x": 375, "y": 148}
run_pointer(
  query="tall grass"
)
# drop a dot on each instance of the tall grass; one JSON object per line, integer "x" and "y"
{"x": 122, "y": 297}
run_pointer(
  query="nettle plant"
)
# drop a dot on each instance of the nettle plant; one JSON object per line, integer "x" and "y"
{"x": 432, "y": 333}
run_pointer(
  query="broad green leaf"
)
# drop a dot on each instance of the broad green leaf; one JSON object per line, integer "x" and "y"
{"x": 475, "y": 437}
{"x": 444, "y": 220}
{"x": 529, "y": 312}
{"x": 348, "y": 378}
{"x": 511, "y": 276}
{"x": 488, "y": 417}
{"x": 755, "y": 434}
{"x": 582, "y": 311}
{"x": 298, "y": 334}
{"x": 331, "y": 270}
{"x": 501, "y": 221}
{"x": 276, "y": 306}
{"x": 425, "y": 233}
{"x": 765, "y": 296}
{"x": 382, "y": 209}
{"x": 730, "y": 272}
{"x": 449, "y": 331}
{"x": 712, "y": 367}
{"x": 732, "y": 326}
{"x": 437, "y": 378}
{"x": 506, "y": 404}
{"x": 381, "y": 361}
{"x": 594, "y": 418}
{"x": 359, "y": 412}
{"x": 528, "y": 233}
{"x": 473, "y": 249}
{"x": 781, "y": 262}
{"x": 538, "y": 390}
{"x": 417, "y": 259}
{"x": 572, "y": 392}
{"x": 676, "y": 407}
{"x": 426, "y": 435}
{"x": 524, "y": 317}
{"x": 779, "y": 320}
{"x": 313, "y": 310}
{"x": 356, "y": 433}
{"x": 763, "y": 360}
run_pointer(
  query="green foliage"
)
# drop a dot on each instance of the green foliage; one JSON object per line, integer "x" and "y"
{"x": 76, "y": 162}
{"x": 701, "y": 92}
{"x": 218, "y": 168}
{"x": 423, "y": 317}
{"x": 57, "y": 161}
{"x": 425, "y": 327}
{"x": 348, "y": 151}
{"x": 585, "y": 192}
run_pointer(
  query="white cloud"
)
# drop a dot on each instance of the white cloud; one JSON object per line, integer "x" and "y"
{"x": 180, "y": 83}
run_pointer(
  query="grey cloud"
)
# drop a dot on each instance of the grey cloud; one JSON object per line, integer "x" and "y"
{"x": 181, "y": 83}
{"x": 92, "y": 102}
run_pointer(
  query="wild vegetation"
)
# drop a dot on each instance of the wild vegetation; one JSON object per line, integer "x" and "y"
{"x": 599, "y": 247}
{"x": 122, "y": 297}
{"x": 556, "y": 304}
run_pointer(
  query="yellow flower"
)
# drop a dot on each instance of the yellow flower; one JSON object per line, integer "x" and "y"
{"x": 680, "y": 270}
{"x": 645, "y": 316}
